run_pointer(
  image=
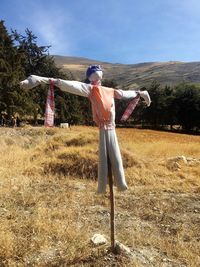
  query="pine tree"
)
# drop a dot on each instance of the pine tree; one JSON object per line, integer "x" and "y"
{"x": 11, "y": 72}
{"x": 187, "y": 106}
{"x": 38, "y": 61}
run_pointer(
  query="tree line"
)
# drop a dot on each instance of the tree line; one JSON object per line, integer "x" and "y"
{"x": 173, "y": 108}
{"x": 21, "y": 56}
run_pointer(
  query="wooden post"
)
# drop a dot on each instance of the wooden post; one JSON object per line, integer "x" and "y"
{"x": 112, "y": 207}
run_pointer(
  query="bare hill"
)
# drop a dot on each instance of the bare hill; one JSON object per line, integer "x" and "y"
{"x": 166, "y": 73}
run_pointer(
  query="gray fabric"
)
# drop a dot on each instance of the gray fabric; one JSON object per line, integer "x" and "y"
{"x": 108, "y": 146}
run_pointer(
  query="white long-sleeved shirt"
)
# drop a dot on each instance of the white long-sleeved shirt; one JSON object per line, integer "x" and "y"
{"x": 77, "y": 88}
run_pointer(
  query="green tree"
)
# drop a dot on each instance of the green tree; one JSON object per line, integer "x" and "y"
{"x": 169, "y": 113}
{"x": 35, "y": 59}
{"x": 10, "y": 72}
{"x": 38, "y": 61}
{"x": 187, "y": 106}
{"x": 154, "y": 114}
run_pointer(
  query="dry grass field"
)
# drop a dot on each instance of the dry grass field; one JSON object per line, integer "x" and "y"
{"x": 49, "y": 209}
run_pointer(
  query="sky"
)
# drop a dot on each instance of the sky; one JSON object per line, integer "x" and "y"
{"x": 116, "y": 31}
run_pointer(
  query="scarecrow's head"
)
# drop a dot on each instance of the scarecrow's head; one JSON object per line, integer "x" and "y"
{"x": 94, "y": 74}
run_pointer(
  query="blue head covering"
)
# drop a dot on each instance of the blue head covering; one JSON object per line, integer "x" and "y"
{"x": 93, "y": 68}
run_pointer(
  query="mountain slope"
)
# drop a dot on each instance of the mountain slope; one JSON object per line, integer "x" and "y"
{"x": 166, "y": 73}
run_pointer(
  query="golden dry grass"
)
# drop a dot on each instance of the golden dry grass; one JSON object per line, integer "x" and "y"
{"x": 74, "y": 67}
{"x": 49, "y": 209}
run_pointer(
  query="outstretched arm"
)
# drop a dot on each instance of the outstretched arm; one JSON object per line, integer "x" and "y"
{"x": 73, "y": 87}
{"x": 122, "y": 94}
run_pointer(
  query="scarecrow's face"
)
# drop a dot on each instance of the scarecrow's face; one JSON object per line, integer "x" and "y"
{"x": 96, "y": 77}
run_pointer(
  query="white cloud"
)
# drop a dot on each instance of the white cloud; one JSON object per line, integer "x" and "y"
{"x": 50, "y": 29}
{"x": 51, "y": 25}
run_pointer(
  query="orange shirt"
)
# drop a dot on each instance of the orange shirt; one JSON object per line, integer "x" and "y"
{"x": 101, "y": 99}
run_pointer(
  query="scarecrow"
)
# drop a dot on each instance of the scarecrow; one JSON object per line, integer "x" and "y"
{"x": 103, "y": 109}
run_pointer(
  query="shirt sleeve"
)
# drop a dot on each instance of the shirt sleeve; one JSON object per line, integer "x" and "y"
{"x": 122, "y": 94}
{"x": 74, "y": 87}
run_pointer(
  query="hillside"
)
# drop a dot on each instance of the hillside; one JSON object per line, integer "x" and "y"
{"x": 169, "y": 73}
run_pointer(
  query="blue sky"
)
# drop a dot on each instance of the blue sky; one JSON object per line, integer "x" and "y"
{"x": 117, "y": 31}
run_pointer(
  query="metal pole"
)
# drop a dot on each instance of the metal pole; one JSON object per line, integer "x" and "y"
{"x": 112, "y": 207}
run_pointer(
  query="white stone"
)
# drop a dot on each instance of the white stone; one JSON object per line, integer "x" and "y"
{"x": 176, "y": 162}
{"x": 98, "y": 239}
{"x": 64, "y": 125}
{"x": 120, "y": 248}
